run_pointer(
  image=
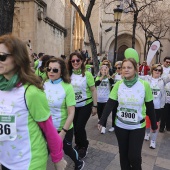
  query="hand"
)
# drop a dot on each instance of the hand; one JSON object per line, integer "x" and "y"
{"x": 99, "y": 127}
{"x": 61, "y": 165}
{"x": 62, "y": 135}
{"x": 94, "y": 111}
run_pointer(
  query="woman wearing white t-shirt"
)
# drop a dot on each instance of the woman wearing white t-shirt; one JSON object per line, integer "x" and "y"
{"x": 61, "y": 100}
{"x": 86, "y": 100}
{"x": 103, "y": 83}
{"x": 157, "y": 84}
{"x": 24, "y": 113}
{"x": 132, "y": 99}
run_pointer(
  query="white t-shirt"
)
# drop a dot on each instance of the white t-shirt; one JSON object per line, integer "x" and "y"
{"x": 166, "y": 70}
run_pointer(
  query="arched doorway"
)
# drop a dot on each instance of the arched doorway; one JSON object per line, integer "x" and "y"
{"x": 121, "y": 50}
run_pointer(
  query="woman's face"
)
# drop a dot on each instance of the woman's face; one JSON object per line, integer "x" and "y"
{"x": 104, "y": 69}
{"x": 76, "y": 62}
{"x": 7, "y": 67}
{"x": 118, "y": 69}
{"x": 156, "y": 72}
{"x": 128, "y": 70}
{"x": 54, "y": 71}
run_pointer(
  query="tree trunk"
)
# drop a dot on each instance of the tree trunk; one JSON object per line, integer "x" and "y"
{"x": 92, "y": 45}
{"x": 135, "y": 18}
{"x": 6, "y": 16}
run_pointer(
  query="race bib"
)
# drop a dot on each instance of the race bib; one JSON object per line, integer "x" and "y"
{"x": 155, "y": 92}
{"x": 78, "y": 96}
{"x": 168, "y": 94}
{"x": 128, "y": 115}
{"x": 8, "y": 129}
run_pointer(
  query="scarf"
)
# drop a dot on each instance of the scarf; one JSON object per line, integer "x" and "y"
{"x": 130, "y": 83}
{"x": 6, "y": 85}
{"x": 78, "y": 72}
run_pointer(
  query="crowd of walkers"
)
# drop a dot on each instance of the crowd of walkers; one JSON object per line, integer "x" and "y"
{"x": 46, "y": 100}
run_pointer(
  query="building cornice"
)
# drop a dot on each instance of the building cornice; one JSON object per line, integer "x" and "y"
{"x": 47, "y": 19}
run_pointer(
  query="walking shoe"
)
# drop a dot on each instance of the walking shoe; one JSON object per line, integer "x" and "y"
{"x": 103, "y": 131}
{"x": 80, "y": 165}
{"x": 147, "y": 136}
{"x": 153, "y": 144}
{"x": 161, "y": 130}
{"x": 111, "y": 129}
{"x": 82, "y": 152}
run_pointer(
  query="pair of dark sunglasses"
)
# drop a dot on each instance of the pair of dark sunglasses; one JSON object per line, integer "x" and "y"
{"x": 54, "y": 70}
{"x": 167, "y": 62}
{"x": 77, "y": 61}
{"x": 118, "y": 68}
{"x": 159, "y": 70}
{"x": 3, "y": 56}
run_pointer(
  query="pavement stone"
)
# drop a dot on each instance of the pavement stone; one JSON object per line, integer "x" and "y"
{"x": 103, "y": 151}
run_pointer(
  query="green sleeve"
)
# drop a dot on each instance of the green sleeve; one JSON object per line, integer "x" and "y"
{"x": 148, "y": 92}
{"x": 114, "y": 93}
{"x": 97, "y": 78}
{"x": 36, "y": 64}
{"x": 37, "y": 104}
{"x": 90, "y": 79}
{"x": 87, "y": 66}
{"x": 70, "y": 96}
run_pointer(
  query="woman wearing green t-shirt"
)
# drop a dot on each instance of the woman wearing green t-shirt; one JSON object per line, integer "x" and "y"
{"x": 24, "y": 113}
{"x": 132, "y": 99}
{"x": 86, "y": 100}
{"x": 61, "y": 100}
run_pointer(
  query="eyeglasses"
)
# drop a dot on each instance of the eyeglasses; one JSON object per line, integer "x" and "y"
{"x": 55, "y": 70}
{"x": 3, "y": 56}
{"x": 159, "y": 70}
{"x": 77, "y": 61}
{"x": 167, "y": 62}
{"x": 118, "y": 68}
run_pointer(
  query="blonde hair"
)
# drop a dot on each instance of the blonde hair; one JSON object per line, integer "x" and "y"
{"x": 109, "y": 64}
{"x": 154, "y": 66}
{"x": 118, "y": 63}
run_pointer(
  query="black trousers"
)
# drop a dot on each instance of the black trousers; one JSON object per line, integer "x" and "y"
{"x": 82, "y": 115}
{"x": 130, "y": 147}
{"x": 4, "y": 168}
{"x": 100, "y": 108}
{"x": 165, "y": 117}
{"x": 67, "y": 146}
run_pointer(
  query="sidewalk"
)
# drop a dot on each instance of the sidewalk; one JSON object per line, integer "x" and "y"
{"x": 103, "y": 151}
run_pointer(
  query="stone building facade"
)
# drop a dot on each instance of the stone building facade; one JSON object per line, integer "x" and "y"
{"x": 55, "y": 28}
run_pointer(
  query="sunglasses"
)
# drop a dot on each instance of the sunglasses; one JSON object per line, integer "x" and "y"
{"x": 159, "y": 70}
{"x": 77, "y": 61}
{"x": 118, "y": 68}
{"x": 167, "y": 62}
{"x": 3, "y": 56}
{"x": 55, "y": 70}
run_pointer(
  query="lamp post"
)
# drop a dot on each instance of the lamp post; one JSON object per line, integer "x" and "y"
{"x": 117, "y": 16}
{"x": 161, "y": 46}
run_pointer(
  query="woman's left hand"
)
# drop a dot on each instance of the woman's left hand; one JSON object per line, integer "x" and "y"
{"x": 62, "y": 135}
{"x": 94, "y": 111}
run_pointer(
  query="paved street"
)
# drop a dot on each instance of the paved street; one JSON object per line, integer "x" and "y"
{"x": 103, "y": 151}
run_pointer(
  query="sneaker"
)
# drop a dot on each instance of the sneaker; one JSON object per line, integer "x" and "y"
{"x": 103, "y": 131}
{"x": 111, "y": 129}
{"x": 80, "y": 165}
{"x": 82, "y": 152}
{"x": 153, "y": 144}
{"x": 161, "y": 130}
{"x": 147, "y": 136}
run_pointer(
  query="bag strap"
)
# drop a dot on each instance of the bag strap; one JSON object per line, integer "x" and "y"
{"x": 25, "y": 96}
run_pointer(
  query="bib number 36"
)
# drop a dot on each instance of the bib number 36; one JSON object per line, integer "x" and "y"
{"x": 5, "y": 129}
